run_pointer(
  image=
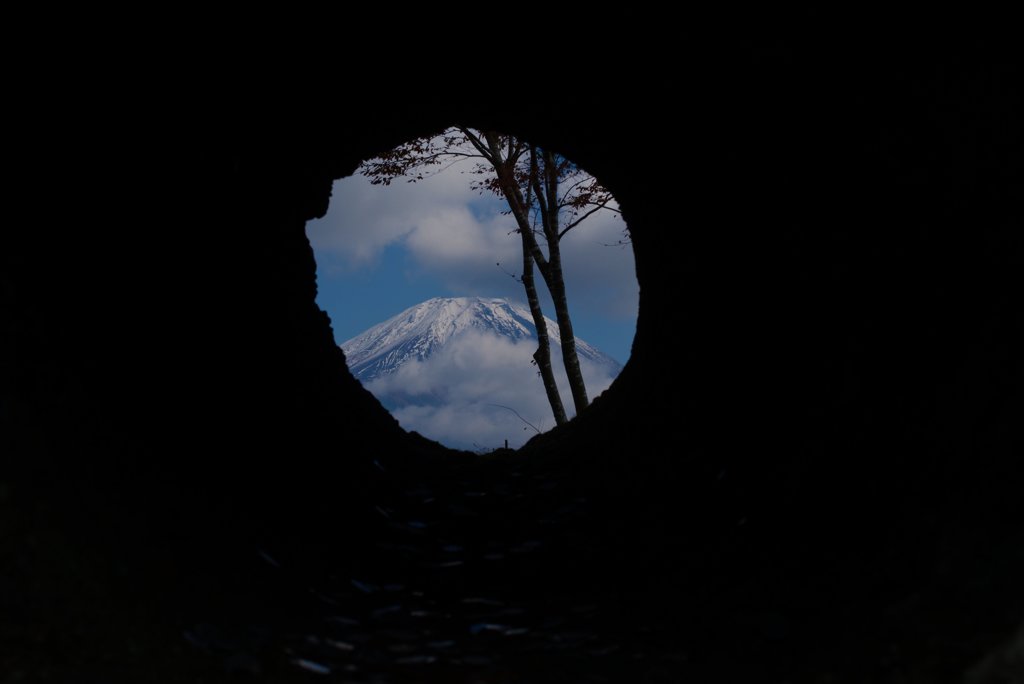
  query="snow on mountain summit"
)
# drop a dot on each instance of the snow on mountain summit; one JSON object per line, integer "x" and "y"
{"x": 421, "y": 330}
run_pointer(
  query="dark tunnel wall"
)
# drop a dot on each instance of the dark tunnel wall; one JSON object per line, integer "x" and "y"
{"x": 836, "y": 242}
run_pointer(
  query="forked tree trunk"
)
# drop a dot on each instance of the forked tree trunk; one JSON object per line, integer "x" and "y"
{"x": 519, "y": 207}
{"x": 550, "y": 267}
{"x": 543, "y": 354}
{"x": 556, "y": 286}
{"x": 554, "y": 279}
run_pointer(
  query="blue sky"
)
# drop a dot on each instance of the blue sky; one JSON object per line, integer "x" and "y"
{"x": 381, "y": 249}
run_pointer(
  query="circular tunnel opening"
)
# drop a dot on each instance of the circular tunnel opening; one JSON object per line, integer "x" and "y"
{"x": 449, "y": 266}
{"x": 826, "y": 526}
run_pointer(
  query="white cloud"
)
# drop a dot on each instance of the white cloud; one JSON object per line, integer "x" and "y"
{"x": 451, "y": 240}
{"x": 363, "y": 219}
{"x": 458, "y": 395}
{"x": 453, "y": 233}
{"x": 599, "y": 274}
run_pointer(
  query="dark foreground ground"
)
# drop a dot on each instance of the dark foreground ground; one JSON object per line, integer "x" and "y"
{"x": 507, "y": 569}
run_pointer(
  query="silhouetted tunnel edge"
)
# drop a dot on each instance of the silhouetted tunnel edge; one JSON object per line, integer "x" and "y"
{"x": 841, "y": 426}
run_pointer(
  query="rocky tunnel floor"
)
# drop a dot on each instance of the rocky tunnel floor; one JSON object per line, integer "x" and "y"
{"x": 497, "y": 570}
{"x": 513, "y": 571}
{"x": 478, "y": 576}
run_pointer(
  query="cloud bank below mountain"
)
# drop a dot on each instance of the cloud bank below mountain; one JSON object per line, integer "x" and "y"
{"x": 467, "y": 394}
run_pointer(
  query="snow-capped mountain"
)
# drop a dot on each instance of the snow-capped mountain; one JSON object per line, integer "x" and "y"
{"x": 460, "y": 370}
{"x": 422, "y": 330}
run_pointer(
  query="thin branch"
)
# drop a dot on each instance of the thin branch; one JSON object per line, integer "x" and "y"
{"x": 529, "y": 180}
{"x": 551, "y": 164}
{"x": 448, "y": 153}
{"x": 519, "y": 148}
{"x": 514, "y": 195}
{"x": 509, "y": 273}
{"x": 541, "y": 201}
{"x": 479, "y": 145}
{"x": 562, "y": 202}
{"x": 518, "y": 416}
{"x": 578, "y": 221}
{"x": 452, "y": 163}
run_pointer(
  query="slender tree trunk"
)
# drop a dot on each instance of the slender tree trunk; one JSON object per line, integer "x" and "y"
{"x": 547, "y": 196}
{"x": 520, "y": 208}
{"x": 543, "y": 354}
{"x": 556, "y": 286}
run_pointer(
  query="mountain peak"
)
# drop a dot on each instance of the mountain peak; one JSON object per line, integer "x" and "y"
{"x": 461, "y": 370}
{"x": 422, "y": 329}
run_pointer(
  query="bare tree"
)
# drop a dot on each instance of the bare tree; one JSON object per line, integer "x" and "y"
{"x": 547, "y": 196}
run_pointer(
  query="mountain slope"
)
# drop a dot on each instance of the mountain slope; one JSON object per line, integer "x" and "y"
{"x": 421, "y": 330}
{"x": 460, "y": 370}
